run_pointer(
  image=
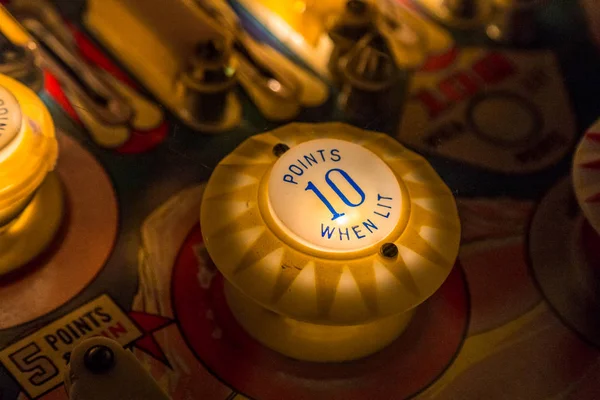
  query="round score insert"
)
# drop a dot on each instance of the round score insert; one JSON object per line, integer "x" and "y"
{"x": 302, "y": 233}
{"x": 333, "y": 195}
{"x": 10, "y": 117}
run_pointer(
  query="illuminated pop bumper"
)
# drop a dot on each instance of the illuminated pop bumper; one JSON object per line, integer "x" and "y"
{"x": 31, "y": 200}
{"x": 328, "y": 237}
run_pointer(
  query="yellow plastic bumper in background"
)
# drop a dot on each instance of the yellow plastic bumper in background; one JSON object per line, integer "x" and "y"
{"x": 31, "y": 200}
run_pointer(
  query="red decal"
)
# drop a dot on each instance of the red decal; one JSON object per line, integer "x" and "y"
{"x": 441, "y": 61}
{"x": 591, "y": 164}
{"x": 149, "y": 345}
{"x": 458, "y": 87}
{"x": 117, "y": 330}
{"x": 150, "y": 323}
{"x": 55, "y": 90}
{"x": 140, "y": 142}
{"x": 463, "y": 84}
{"x": 95, "y": 57}
{"x": 494, "y": 68}
{"x": 593, "y": 136}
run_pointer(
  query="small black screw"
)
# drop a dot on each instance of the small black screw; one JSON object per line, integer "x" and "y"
{"x": 280, "y": 148}
{"x": 356, "y": 7}
{"x": 389, "y": 250}
{"x": 99, "y": 359}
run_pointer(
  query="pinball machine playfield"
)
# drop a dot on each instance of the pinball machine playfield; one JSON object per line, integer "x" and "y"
{"x": 152, "y": 99}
